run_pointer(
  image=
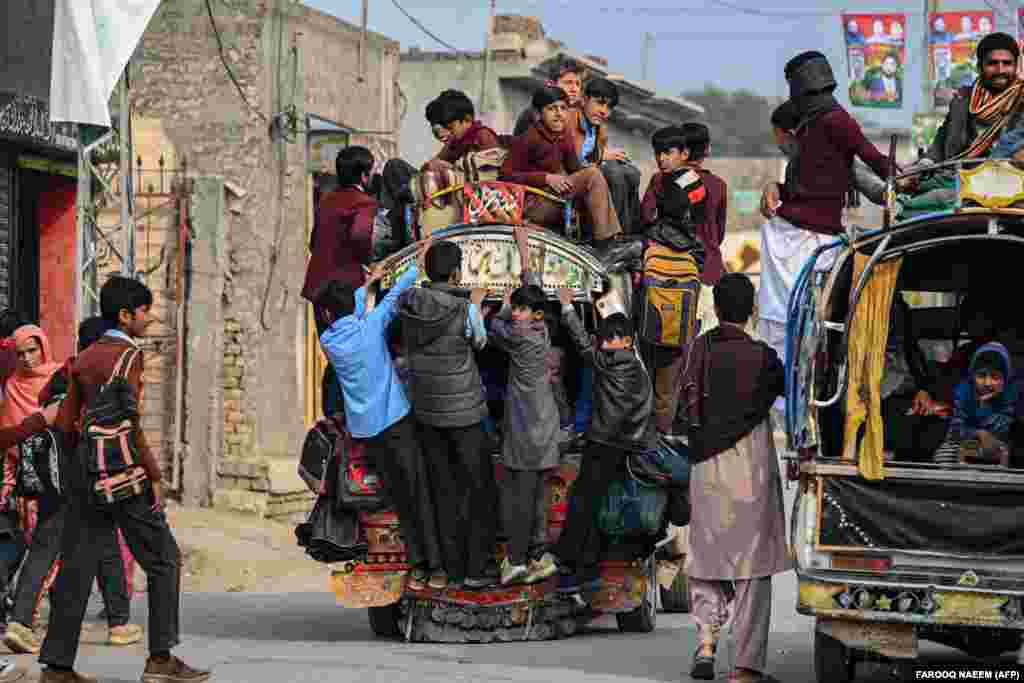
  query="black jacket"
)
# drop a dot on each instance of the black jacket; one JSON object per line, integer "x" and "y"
{"x": 623, "y": 416}
{"x": 957, "y": 131}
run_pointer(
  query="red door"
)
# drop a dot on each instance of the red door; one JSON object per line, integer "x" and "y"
{"x": 57, "y": 265}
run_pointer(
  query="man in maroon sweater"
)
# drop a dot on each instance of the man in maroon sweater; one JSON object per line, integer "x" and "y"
{"x": 545, "y": 158}
{"x": 806, "y": 210}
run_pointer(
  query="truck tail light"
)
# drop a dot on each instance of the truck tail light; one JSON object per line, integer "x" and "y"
{"x": 861, "y": 564}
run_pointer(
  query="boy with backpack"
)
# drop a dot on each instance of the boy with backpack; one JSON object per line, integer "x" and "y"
{"x": 532, "y": 421}
{"x": 110, "y": 492}
{"x": 42, "y": 565}
{"x": 684, "y": 214}
{"x": 622, "y": 423}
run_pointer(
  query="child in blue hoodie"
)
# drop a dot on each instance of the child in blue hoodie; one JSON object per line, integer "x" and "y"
{"x": 984, "y": 408}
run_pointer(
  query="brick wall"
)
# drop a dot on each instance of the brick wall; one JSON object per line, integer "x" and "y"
{"x": 283, "y": 55}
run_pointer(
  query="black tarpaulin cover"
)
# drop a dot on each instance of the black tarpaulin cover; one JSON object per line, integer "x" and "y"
{"x": 947, "y": 517}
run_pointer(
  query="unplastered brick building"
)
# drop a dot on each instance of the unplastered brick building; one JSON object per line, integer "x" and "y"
{"x": 258, "y": 101}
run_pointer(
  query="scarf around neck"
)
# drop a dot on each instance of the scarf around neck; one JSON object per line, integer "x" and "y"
{"x": 993, "y": 110}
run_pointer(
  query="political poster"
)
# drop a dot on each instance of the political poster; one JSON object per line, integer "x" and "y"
{"x": 875, "y": 57}
{"x": 952, "y": 40}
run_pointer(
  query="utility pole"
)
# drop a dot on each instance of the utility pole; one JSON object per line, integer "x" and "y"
{"x": 928, "y": 104}
{"x": 646, "y": 55}
{"x": 487, "y": 59}
{"x": 363, "y": 42}
{"x": 125, "y": 140}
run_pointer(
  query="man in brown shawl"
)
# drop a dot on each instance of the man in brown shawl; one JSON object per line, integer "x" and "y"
{"x": 737, "y": 527}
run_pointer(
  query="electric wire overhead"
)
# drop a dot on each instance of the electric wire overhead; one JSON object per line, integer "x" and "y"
{"x": 227, "y": 66}
{"x": 421, "y": 27}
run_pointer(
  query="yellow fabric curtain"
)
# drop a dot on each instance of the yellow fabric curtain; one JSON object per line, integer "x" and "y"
{"x": 868, "y": 335}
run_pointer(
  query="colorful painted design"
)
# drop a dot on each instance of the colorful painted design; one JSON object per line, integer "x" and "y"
{"x": 492, "y": 261}
{"x": 876, "y": 54}
{"x": 952, "y": 40}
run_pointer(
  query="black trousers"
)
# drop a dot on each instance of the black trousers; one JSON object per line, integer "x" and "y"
{"x": 400, "y": 461}
{"x": 624, "y": 189}
{"x": 462, "y": 478}
{"x": 581, "y": 544}
{"x": 524, "y": 506}
{"x": 148, "y": 537}
{"x": 43, "y": 554}
{"x": 911, "y": 437}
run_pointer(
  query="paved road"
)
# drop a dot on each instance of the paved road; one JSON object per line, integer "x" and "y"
{"x": 285, "y": 638}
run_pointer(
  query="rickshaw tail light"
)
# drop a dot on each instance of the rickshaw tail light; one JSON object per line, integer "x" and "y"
{"x": 862, "y": 564}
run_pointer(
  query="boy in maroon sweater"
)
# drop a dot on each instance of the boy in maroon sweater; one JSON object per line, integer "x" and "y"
{"x": 467, "y": 134}
{"x": 125, "y": 304}
{"x": 818, "y": 179}
{"x": 545, "y": 158}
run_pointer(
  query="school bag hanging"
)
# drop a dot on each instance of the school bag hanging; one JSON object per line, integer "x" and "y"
{"x": 671, "y": 286}
{"x": 357, "y": 487}
{"x": 109, "y": 444}
{"x": 317, "y": 450}
{"x": 39, "y": 466}
{"x": 632, "y": 508}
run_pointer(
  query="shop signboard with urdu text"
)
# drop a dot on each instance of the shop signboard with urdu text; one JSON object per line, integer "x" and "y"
{"x": 875, "y": 57}
{"x": 952, "y": 40}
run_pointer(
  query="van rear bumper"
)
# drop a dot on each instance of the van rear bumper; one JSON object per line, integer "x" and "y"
{"x": 890, "y": 602}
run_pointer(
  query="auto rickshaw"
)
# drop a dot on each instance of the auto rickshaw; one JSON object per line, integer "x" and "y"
{"x": 892, "y": 548}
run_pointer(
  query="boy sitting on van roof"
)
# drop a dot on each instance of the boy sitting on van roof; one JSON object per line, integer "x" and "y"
{"x": 467, "y": 134}
{"x": 545, "y": 158}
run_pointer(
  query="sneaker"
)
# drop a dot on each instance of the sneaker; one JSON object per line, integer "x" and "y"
{"x": 542, "y": 569}
{"x": 417, "y": 580}
{"x": 438, "y": 580}
{"x": 9, "y": 672}
{"x": 512, "y": 573}
{"x": 20, "y": 639}
{"x": 127, "y": 634}
{"x": 171, "y": 670}
{"x": 56, "y": 676}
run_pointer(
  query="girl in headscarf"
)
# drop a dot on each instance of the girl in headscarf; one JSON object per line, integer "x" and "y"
{"x": 34, "y": 369}
{"x": 984, "y": 410}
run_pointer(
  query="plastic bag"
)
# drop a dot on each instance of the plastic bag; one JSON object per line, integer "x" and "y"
{"x": 631, "y": 508}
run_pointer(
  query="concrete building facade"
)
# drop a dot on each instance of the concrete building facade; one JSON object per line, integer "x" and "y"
{"x": 520, "y": 59}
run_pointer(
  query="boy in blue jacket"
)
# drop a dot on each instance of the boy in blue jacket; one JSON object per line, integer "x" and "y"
{"x": 378, "y": 412}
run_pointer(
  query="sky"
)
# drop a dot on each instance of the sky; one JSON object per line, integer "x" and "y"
{"x": 730, "y": 43}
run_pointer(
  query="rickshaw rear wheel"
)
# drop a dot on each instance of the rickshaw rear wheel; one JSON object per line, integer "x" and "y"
{"x": 384, "y": 621}
{"x": 834, "y": 662}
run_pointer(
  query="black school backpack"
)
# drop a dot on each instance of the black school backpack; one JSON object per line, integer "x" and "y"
{"x": 109, "y": 441}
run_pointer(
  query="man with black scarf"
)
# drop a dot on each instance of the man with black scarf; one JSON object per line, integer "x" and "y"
{"x": 805, "y": 211}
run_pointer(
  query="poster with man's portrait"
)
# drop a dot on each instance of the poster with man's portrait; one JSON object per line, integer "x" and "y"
{"x": 952, "y": 40}
{"x": 876, "y": 55}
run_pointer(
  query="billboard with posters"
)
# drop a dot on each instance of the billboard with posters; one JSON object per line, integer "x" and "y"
{"x": 875, "y": 57}
{"x": 952, "y": 40}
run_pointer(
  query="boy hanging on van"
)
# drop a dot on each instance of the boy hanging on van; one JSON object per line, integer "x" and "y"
{"x": 984, "y": 410}
{"x": 622, "y": 422}
{"x": 672, "y": 262}
{"x": 530, "y": 447}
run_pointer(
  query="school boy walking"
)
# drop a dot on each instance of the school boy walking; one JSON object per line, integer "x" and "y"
{"x": 125, "y": 303}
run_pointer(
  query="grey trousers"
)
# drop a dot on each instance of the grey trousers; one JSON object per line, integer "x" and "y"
{"x": 752, "y": 615}
{"x": 524, "y": 507}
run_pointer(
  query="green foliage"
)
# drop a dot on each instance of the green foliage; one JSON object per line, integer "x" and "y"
{"x": 740, "y": 121}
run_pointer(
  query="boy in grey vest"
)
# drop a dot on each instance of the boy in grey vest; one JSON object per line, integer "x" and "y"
{"x": 440, "y": 330}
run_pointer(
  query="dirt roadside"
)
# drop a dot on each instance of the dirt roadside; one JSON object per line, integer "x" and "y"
{"x": 240, "y": 553}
